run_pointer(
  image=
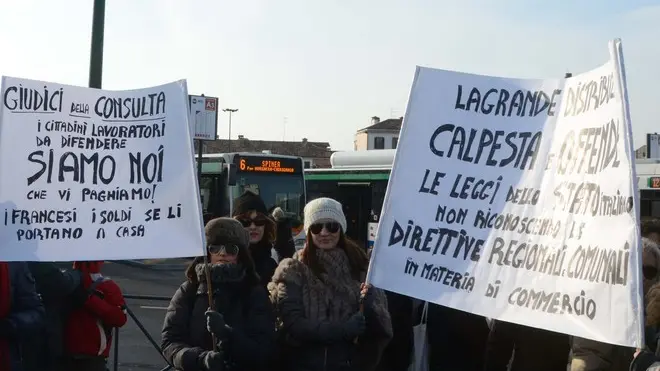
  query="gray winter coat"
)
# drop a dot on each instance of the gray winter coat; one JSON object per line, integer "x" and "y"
{"x": 310, "y": 345}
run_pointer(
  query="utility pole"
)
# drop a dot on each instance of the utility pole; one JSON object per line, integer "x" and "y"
{"x": 96, "y": 52}
{"x": 230, "y": 110}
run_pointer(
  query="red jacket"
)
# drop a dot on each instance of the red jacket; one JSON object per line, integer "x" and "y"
{"x": 89, "y": 329}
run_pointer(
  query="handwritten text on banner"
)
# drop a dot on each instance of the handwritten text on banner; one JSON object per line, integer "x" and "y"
{"x": 88, "y": 174}
{"x": 514, "y": 199}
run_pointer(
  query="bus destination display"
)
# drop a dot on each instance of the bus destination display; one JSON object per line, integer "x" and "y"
{"x": 261, "y": 164}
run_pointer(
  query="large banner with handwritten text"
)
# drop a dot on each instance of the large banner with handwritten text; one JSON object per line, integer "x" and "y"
{"x": 88, "y": 174}
{"x": 514, "y": 199}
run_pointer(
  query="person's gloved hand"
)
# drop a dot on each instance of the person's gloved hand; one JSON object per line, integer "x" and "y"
{"x": 215, "y": 324}
{"x": 278, "y": 214}
{"x": 213, "y": 361}
{"x": 7, "y": 329}
{"x": 354, "y": 326}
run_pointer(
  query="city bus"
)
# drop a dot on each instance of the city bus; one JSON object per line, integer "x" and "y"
{"x": 359, "y": 180}
{"x": 277, "y": 179}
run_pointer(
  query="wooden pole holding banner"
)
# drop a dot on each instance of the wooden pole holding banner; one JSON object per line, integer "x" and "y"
{"x": 207, "y": 270}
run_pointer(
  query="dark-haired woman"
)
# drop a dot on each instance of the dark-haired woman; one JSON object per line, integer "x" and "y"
{"x": 267, "y": 232}
{"x": 242, "y": 320}
{"x": 317, "y": 297}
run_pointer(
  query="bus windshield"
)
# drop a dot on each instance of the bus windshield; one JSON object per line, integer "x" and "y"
{"x": 284, "y": 191}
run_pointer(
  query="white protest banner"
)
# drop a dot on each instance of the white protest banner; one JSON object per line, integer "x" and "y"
{"x": 515, "y": 199}
{"x": 88, "y": 174}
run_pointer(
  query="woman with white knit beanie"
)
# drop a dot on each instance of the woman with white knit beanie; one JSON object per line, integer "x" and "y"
{"x": 317, "y": 296}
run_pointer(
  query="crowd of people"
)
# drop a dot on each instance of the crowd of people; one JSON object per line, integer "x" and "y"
{"x": 54, "y": 320}
{"x": 317, "y": 313}
{"x": 255, "y": 303}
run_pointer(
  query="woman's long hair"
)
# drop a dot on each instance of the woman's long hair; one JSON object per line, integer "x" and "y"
{"x": 357, "y": 257}
{"x": 244, "y": 258}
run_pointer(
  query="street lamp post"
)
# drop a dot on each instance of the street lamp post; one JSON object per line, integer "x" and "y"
{"x": 96, "y": 52}
{"x": 230, "y": 110}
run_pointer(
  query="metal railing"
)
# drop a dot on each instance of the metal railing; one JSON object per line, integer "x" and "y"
{"x": 139, "y": 324}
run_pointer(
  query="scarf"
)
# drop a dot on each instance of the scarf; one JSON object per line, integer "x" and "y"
{"x": 220, "y": 274}
{"x": 333, "y": 295}
{"x": 5, "y": 308}
{"x": 227, "y": 283}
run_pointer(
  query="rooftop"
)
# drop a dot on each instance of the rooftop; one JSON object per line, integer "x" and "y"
{"x": 393, "y": 125}
{"x": 302, "y": 148}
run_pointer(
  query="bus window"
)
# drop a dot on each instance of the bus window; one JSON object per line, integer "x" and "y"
{"x": 289, "y": 201}
{"x": 276, "y": 190}
{"x": 377, "y": 198}
{"x": 205, "y": 192}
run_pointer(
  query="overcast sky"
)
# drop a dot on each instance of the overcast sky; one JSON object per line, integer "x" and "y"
{"x": 321, "y": 69}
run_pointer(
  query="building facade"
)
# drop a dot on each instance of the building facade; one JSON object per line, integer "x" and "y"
{"x": 641, "y": 152}
{"x": 379, "y": 135}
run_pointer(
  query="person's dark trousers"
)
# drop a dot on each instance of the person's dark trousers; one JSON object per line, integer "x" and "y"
{"x": 457, "y": 339}
{"x": 83, "y": 364}
{"x": 398, "y": 353}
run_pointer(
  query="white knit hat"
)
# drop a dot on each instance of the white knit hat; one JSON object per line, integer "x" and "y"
{"x": 324, "y": 209}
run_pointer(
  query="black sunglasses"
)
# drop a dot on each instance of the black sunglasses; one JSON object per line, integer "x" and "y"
{"x": 259, "y": 222}
{"x": 219, "y": 249}
{"x": 332, "y": 227}
{"x": 649, "y": 272}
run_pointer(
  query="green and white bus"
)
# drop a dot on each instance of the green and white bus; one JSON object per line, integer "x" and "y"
{"x": 648, "y": 182}
{"x": 277, "y": 179}
{"x": 357, "y": 179}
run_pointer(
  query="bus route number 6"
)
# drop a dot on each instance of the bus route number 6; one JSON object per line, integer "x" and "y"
{"x": 242, "y": 164}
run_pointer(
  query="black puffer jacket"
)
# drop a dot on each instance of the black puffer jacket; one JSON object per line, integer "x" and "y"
{"x": 245, "y": 308}
{"x": 60, "y": 291}
{"x": 26, "y": 310}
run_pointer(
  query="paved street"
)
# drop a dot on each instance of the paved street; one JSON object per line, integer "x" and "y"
{"x": 135, "y": 351}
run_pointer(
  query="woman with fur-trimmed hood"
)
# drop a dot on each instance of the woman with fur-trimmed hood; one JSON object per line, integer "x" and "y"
{"x": 317, "y": 296}
{"x": 242, "y": 321}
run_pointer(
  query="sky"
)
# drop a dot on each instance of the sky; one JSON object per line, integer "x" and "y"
{"x": 320, "y": 69}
